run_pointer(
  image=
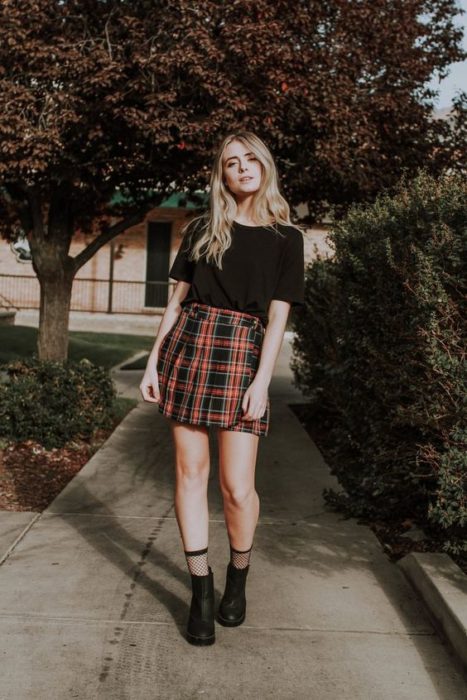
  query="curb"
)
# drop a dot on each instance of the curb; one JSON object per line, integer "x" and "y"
{"x": 442, "y": 586}
{"x": 129, "y": 360}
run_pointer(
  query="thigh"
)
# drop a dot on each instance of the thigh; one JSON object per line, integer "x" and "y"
{"x": 237, "y": 459}
{"x": 191, "y": 444}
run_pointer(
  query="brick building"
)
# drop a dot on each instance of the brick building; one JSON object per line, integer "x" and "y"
{"x": 128, "y": 275}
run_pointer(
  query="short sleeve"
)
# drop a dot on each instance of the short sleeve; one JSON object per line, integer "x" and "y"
{"x": 182, "y": 268}
{"x": 290, "y": 285}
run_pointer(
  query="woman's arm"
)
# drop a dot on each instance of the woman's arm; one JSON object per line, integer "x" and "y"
{"x": 255, "y": 398}
{"x": 149, "y": 386}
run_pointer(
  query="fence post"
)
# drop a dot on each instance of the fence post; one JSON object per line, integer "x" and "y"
{"x": 111, "y": 276}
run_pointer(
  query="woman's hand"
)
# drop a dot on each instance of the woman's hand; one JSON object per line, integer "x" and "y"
{"x": 149, "y": 386}
{"x": 255, "y": 399}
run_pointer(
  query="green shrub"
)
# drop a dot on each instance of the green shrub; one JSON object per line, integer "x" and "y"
{"x": 382, "y": 345}
{"x": 53, "y": 402}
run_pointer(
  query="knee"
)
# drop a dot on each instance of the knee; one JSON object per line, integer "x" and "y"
{"x": 238, "y": 496}
{"x": 192, "y": 473}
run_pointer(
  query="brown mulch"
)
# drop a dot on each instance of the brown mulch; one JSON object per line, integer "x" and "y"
{"x": 399, "y": 536}
{"x": 31, "y": 476}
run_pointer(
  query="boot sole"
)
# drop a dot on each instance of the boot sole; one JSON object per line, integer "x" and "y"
{"x": 230, "y": 623}
{"x": 201, "y": 641}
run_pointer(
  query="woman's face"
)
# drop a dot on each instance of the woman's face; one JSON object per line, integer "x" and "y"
{"x": 241, "y": 169}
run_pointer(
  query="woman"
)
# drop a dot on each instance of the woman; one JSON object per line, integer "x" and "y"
{"x": 240, "y": 268}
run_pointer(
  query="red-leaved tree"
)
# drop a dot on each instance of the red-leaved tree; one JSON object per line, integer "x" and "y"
{"x": 104, "y": 95}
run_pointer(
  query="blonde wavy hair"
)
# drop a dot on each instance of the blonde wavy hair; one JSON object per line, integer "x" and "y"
{"x": 210, "y": 233}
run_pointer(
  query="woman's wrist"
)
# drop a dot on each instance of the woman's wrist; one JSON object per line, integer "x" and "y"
{"x": 153, "y": 356}
{"x": 263, "y": 377}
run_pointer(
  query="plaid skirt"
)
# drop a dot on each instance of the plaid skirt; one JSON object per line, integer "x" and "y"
{"x": 205, "y": 364}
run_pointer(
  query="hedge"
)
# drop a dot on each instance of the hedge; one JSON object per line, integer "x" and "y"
{"x": 381, "y": 345}
{"x": 54, "y": 402}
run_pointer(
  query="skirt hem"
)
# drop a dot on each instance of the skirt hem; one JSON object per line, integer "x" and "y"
{"x": 209, "y": 424}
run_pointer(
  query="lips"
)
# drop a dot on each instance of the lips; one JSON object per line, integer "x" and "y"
{"x": 245, "y": 179}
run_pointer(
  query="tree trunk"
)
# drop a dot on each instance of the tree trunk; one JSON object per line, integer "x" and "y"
{"x": 52, "y": 341}
{"x": 51, "y": 228}
{"x": 50, "y": 237}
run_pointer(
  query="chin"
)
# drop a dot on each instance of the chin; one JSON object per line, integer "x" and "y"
{"x": 248, "y": 188}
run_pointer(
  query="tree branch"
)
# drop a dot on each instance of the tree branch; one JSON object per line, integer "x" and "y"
{"x": 107, "y": 235}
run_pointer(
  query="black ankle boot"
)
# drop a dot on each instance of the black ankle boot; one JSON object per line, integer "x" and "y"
{"x": 232, "y": 607}
{"x": 200, "y": 628}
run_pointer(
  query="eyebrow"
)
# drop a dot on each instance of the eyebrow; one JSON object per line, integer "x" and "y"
{"x": 245, "y": 154}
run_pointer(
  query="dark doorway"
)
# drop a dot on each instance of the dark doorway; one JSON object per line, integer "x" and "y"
{"x": 157, "y": 263}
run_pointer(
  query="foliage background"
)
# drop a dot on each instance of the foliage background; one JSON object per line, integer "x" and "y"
{"x": 381, "y": 346}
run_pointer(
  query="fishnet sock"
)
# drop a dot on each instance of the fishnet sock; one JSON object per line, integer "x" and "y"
{"x": 197, "y": 561}
{"x": 239, "y": 559}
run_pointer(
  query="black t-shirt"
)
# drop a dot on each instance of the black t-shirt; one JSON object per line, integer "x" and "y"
{"x": 260, "y": 265}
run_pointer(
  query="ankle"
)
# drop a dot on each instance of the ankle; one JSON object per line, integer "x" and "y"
{"x": 197, "y": 561}
{"x": 240, "y": 558}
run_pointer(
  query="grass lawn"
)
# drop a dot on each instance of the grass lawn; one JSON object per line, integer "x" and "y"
{"x": 104, "y": 349}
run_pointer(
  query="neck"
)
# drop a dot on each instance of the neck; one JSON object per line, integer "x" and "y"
{"x": 245, "y": 210}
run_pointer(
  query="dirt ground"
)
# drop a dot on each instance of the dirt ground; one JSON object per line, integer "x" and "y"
{"x": 31, "y": 476}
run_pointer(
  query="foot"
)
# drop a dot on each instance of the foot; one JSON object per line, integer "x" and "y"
{"x": 232, "y": 608}
{"x": 200, "y": 629}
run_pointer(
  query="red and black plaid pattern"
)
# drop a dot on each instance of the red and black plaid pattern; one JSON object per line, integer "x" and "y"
{"x": 205, "y": 364}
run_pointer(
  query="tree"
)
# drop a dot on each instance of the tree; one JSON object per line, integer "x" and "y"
{"x": 104, "y": 95}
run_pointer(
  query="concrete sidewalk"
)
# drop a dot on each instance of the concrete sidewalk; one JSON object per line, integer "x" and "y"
{"x": 94, "y": 597}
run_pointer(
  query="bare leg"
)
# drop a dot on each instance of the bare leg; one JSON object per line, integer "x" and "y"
{"x": 191, "y": 507}
{"x": 237, "y": 462}
{"x": 191, "y": 444}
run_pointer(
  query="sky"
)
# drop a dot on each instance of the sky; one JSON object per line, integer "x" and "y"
{"x": 457, "y": 78}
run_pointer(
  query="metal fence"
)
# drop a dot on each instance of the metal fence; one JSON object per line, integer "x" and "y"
{"x": 98, "y": 295}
